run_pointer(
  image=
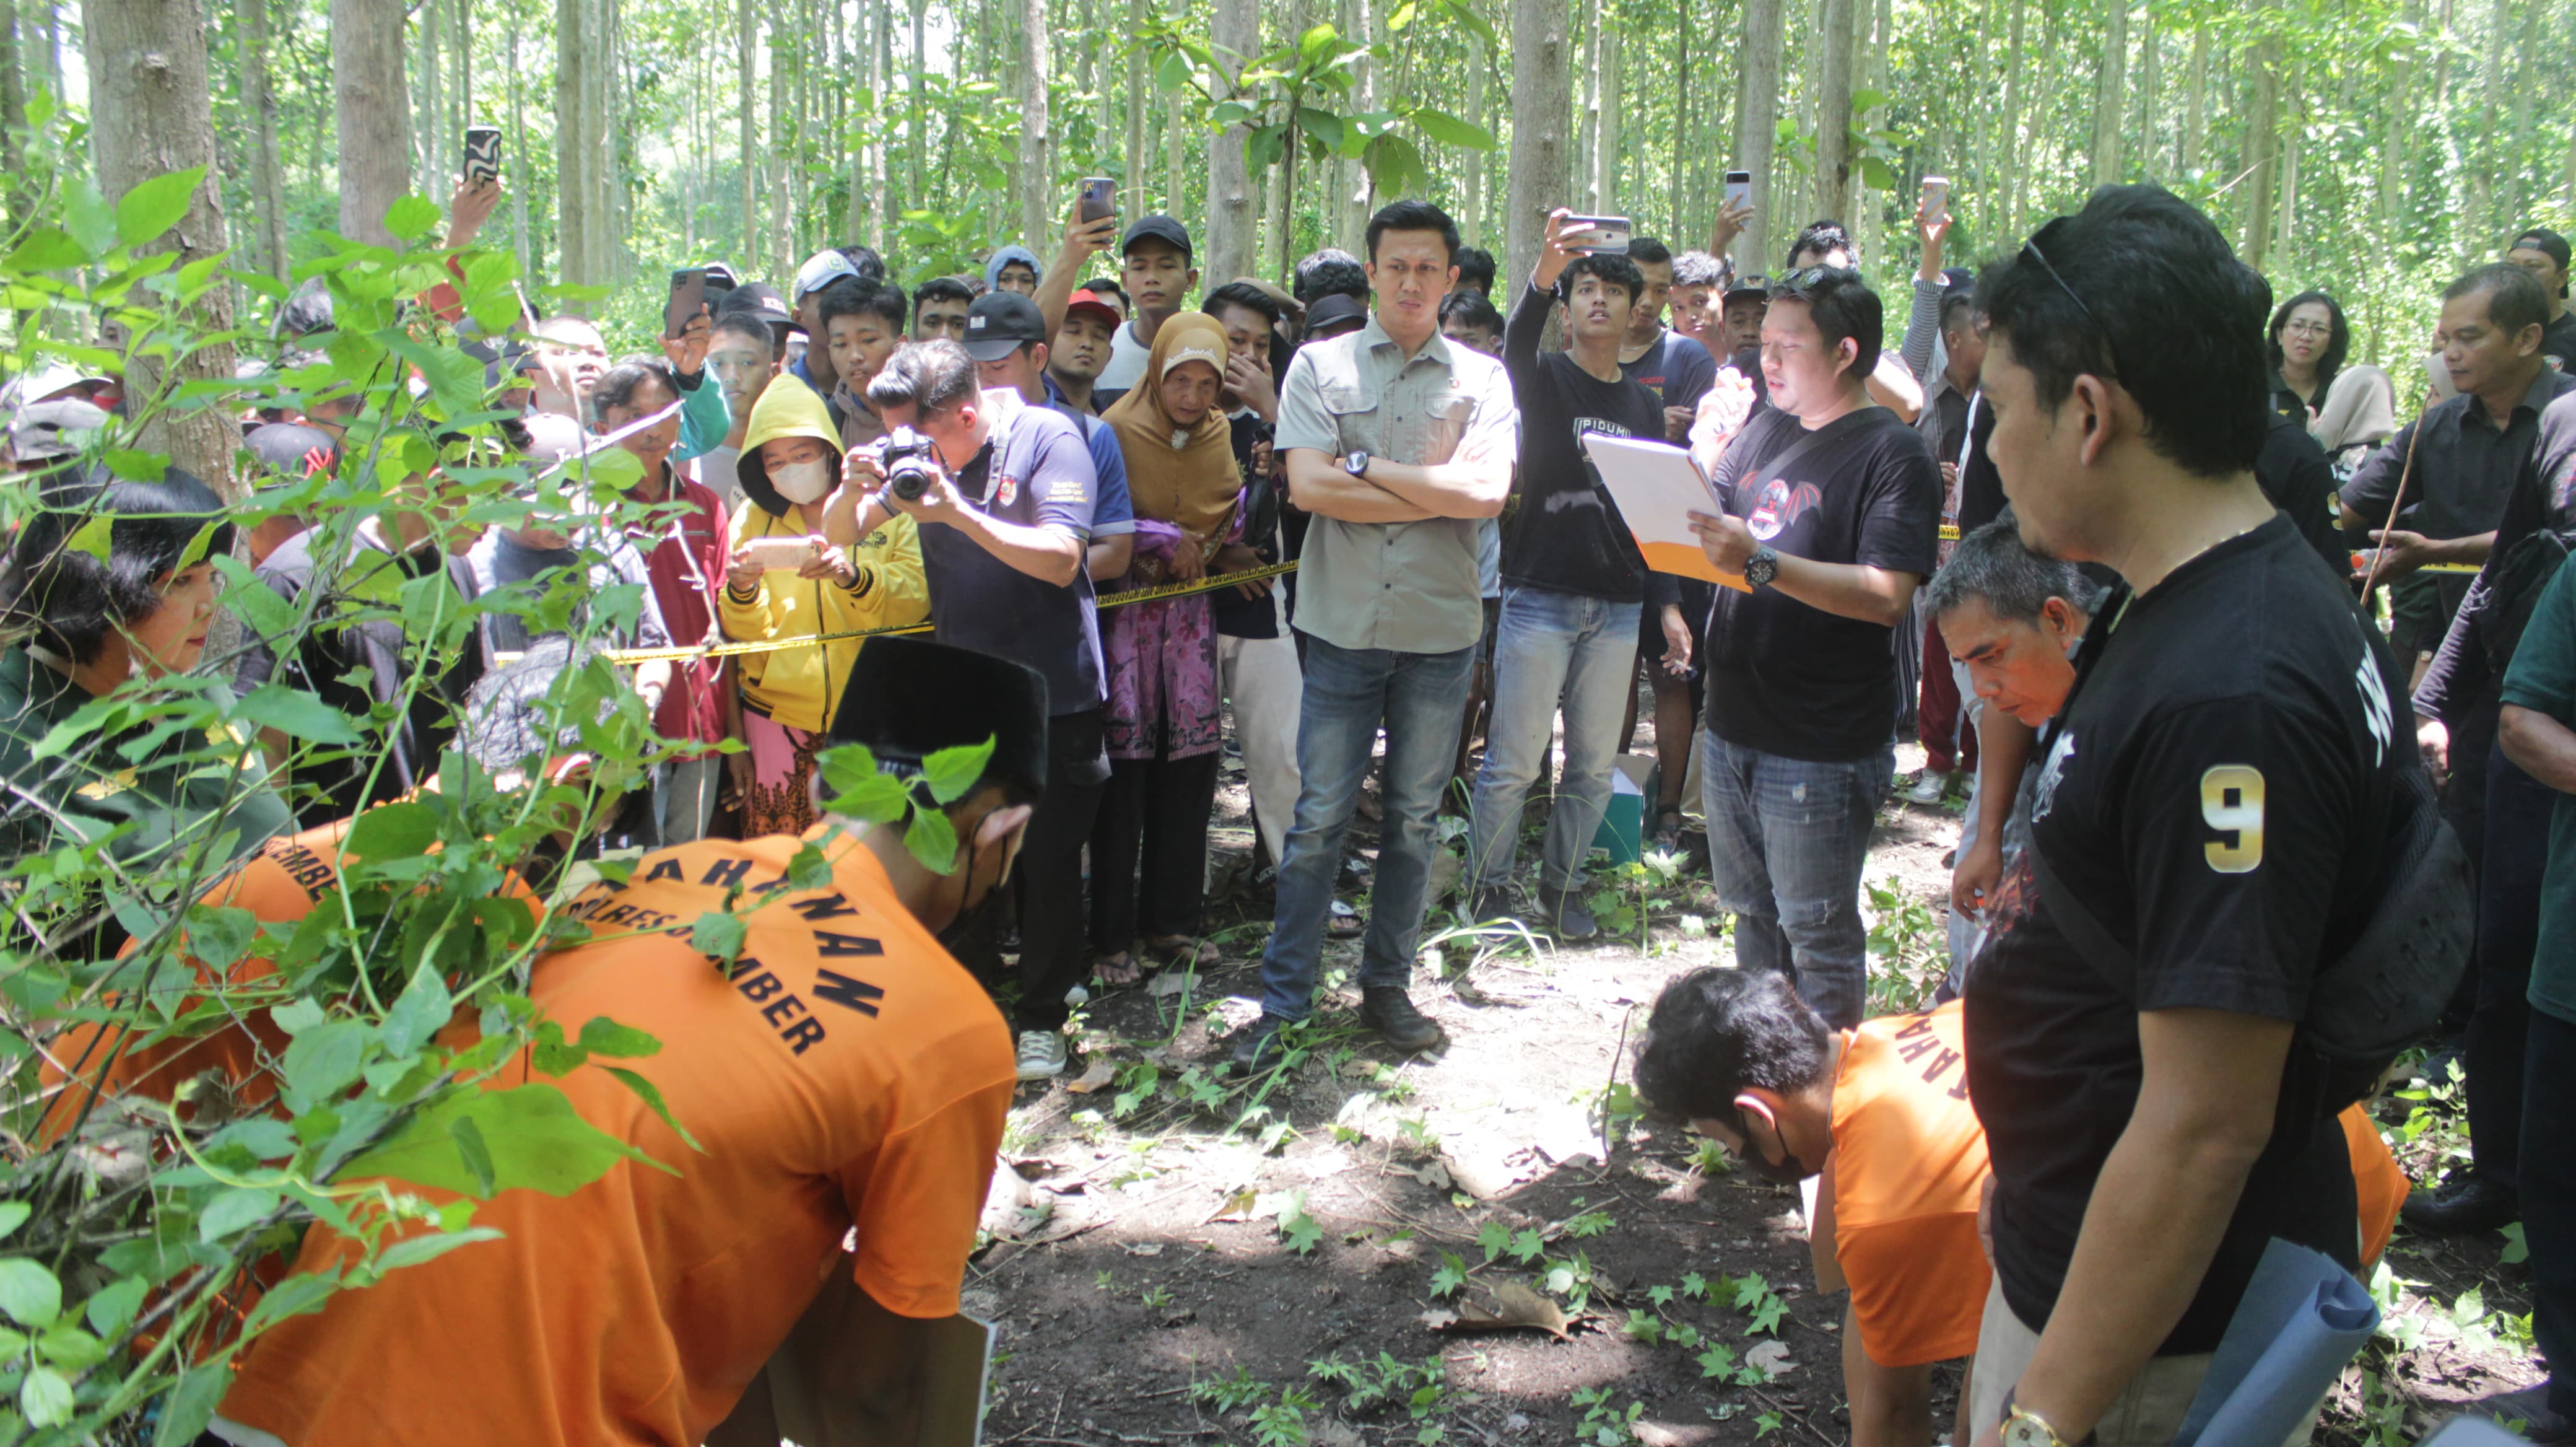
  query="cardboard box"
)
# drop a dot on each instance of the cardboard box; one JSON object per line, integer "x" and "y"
{"x": 1622, "y": 831}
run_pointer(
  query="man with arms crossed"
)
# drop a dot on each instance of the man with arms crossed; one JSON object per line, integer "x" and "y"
{"x": 1396, "y": 442}
{"x": 2214, "y": 797}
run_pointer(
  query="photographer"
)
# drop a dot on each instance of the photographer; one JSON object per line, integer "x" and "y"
{"x": 1002, "y": 493}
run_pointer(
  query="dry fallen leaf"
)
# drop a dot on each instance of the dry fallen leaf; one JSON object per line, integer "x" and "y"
{"x": 1516, "y": 1307}
{"x": 1100, "y": 1074}
{"x": 1772, "y": 1358}
{"x": 1242, "y": 1205}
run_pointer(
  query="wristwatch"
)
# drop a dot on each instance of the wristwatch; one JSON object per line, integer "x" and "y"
{"x": 1356, "y": 464}
{"x": 2025, "y": 1428}
{"x": 1762, "y": 567}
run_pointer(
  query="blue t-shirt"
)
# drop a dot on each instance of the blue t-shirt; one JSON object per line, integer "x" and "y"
{"x": 1112, "y": 515}
{"x": 1036, "y": 472}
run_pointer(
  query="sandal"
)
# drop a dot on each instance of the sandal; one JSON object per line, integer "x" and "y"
{"x": 1116, "y": 972}
{"x": 1344, "y": 923}
{"x": 1667, "y": 837}
{"x": 1181, "y": 952}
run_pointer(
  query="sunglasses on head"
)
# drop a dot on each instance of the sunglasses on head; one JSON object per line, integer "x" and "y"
{"x": 2031, "y": 250}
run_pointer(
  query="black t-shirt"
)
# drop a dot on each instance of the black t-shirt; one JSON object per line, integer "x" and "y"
{"x": 2293, "y": 473}
{"x": 2217, "y": 798}
{"x": 2558, "y": 340}
{"x": 1680, "y": 370}
{"x": 1236, "y": 615}
{"x": 1566, "y": 534}
{"x": 1797, "y": 681}
{"x": 1981, "y": 488}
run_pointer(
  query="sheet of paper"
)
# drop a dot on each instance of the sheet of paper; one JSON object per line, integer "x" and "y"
{"x": 2302, "y": 1320}
{"x": 1657, "y": 488}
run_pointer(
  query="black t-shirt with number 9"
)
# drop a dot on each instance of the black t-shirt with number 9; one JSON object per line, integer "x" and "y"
{"x": 2216, "y": 799}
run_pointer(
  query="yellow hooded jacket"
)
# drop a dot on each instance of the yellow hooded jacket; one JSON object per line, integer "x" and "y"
{"x": 799, "y": 687}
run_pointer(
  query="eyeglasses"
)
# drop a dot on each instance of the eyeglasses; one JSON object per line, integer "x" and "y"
{"x": 2031, "y": 249}
{"x": 2310, "y": 329}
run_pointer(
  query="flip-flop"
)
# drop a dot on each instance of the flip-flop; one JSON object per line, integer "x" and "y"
{"x": 1106, "y": 983}
{"x": 1344, "y": 923}
{"x": 1184, "y": 953}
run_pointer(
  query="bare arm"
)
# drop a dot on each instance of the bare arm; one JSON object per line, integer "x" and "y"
{"x": 1848, "y": 590}
{"x": 2163, "y": 1200}
{"x": 2003, "y": 751}
{"x": 1082, "y": 241}
{"x": 1317, "y": 484}
{"x": 1108, "y": 557}
{"x": 2540, "y": 746}
{"x": 1895, "y": 389}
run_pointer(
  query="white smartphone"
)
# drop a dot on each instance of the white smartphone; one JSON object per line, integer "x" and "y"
{"x": 788, "y": 553}
{"x": 1936, "y": 199}
{"x": 1739, "y": 188}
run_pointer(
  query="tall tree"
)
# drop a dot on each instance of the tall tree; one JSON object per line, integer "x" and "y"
{"x": 577, "y": 51}
{"x": 1236, "y": 38}
{"x": 2109, "y": 101}
{"x": 373, "y": 112}
{"x": 13, "y": 119}
{"x": 747, "y": 85}
{"x": 1359, "y": 184}
{"x": 1757, "y": 113}
{"x": 151, "y": 115}
{"x": 1836, "y": 22}
{"x": 2259, "y": 157}
{"x": 260, "y": 102}
{"x": 1606, "y": 104}
{"x": 522, "y": 244}
{"x": 1139, "y": 164}
{"x": 1542, "y": 142}
{"x": 1037, "y": 140}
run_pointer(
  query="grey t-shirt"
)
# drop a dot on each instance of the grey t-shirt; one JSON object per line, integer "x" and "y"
{"x": 498, "y": 560}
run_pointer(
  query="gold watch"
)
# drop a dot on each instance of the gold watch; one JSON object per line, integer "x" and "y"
{"x": 2023, "y": 1427}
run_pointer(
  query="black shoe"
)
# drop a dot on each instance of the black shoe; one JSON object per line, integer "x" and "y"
{"x": 1566, "y": 915}
{"x": 1257, "y": 1048}
{"x": 1389, "y": 1011}
{"x": 2469, "y": 1204}
{"x": 2529, "y": 1407}
{"x": 1490, "y": 904}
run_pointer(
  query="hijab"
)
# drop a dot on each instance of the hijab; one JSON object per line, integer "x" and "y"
{"x": 1185, "y": 476}
{"x": 2361, "y": 406}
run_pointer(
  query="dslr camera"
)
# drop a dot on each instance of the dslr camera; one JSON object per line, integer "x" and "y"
{"x": 909, "y": 463}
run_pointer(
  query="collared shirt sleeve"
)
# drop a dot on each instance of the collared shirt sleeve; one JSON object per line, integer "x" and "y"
{"x": 1496, "y": 430}
{"x": 1303, "y": 421}
{"x": 2374, "y": 484}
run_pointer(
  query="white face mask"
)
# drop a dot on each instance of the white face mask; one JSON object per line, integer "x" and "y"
{"x": 802, "y": 482}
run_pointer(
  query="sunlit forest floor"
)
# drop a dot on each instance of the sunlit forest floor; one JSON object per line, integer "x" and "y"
{"x": 1490, "y": 1245}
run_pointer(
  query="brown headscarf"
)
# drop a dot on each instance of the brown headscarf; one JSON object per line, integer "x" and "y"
{"x": 1182, "y": 476}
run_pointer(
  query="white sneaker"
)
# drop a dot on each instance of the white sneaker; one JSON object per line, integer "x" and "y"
{"x": 1042, "y": 1054}
{"x": 1929, "y": 788}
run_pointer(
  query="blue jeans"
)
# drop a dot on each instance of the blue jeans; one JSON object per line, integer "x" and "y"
{"x": 1786, "y": 843}
{"x": 1551, "y": 646}
{"x": 1349, "y": 692}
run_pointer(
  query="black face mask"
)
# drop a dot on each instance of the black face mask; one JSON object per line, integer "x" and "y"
{"x": 1788, "y": 1171}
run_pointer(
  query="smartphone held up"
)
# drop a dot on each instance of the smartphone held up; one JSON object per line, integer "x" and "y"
{"x": 688, "y": 298}
{"x": 482, "y": 154}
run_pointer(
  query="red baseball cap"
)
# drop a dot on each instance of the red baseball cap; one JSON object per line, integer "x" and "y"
{"x": 1087, "y": 300}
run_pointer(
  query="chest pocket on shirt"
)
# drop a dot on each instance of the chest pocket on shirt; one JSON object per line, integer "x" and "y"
{"x": 1443, "y": 424}
{"x": 1356, "y": 418}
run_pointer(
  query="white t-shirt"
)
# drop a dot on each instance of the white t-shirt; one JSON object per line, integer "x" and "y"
{"x": 1127, "y": 357}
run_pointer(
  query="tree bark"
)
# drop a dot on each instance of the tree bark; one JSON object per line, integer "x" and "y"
{"x": 1235, "y": 34}
{"x": 1542, "y": 143}
{"x": 2008, "y": 143}
{"x": 576, "y": 50}
{"x": 2110, "y": 104}
{"x": 1176, "y": 144}
{"x": 259, "y": 102}
{"x": 13, "y": 119}
{"x": 373, "y": 113}
{"x": 1837, "y": 20}
{"x": 150, "y": 115}
{"x": 747, "y": 92}
{"x": 1139, "y": 164}
{"x": 523, "y": 245}
{"x": 1757, "y": 112}
{"x": 426, "y": 137}
{"x": 2259, "y": 158}
{"x": 1471, "y": 186}
{"x": 2195, "y": 124}
{"x": 1684, "y": 154}
{"x": 1605, "y": 138}
{"x": 1357, "y": 200}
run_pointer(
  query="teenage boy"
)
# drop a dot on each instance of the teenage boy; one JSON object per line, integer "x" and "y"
{"x": 1006, "y": 335}
{"x": 862, "y": 325}
{"x": 1081, "y": 348}
{"x": 1572, "y": 581}
{"x": 1256, "y": 659}
{"x": 1156, "y": 270}
{"x": 742, "y": 355}
{"x": 1475, "y": 272}
{"x": 939, "y": 310}
{"x": 1679, "y": 369}
{"x": 814, "y": 366}
{"x": 1698, "y": 280}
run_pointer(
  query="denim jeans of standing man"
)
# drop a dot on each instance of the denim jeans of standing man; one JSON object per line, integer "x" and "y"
{"x": 1348, "y": 694}
{"x": 1787, "y": 839}
{"x": 1551, "y": 647}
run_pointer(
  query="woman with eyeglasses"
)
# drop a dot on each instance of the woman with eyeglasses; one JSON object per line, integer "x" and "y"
{"x": 110, "y": 582}
{"x": 2306, "y": 347}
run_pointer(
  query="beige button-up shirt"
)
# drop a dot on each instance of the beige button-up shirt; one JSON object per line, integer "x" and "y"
{"x": 1410, "y": 587}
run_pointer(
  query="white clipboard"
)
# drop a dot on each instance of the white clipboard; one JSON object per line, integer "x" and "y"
{"x": 1657, "y": 487}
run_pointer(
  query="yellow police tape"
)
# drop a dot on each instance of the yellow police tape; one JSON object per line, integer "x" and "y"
{"x": 1207, "y": 584}
{"x": 1950, "y": 534}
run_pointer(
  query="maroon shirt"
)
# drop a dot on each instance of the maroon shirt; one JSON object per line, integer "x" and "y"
{"x": 686, "y": 561}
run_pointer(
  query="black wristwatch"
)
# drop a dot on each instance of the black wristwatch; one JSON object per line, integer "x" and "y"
{"x": 1356, "y": 464}
{"x": 1762, "y": 567}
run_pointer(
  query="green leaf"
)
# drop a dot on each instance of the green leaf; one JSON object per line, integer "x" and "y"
{"x": 420, "y": 1013}
{"x": 297, "y": 1016}
{"x": 88, "y": 217}
{"x": 477, "y": 1156}
{"x": 603, "y": 1036}
{"x": 1495, "y": 1238}
{"x": 195, "y": 553}
{"x": 95, "y": 537}
{"x": 419, "y": 1249}
{"x": 326, "y": 1059}
{"x": 951, "y": 772}
{"x": 29, "y": 1293}
{"x": 191, "y": 1404}
{"x": 611, "y": 467}
{"x": 877, "y": 798}
{"x": 411, "y": 217}
{"x": 13, "y": 1214}
{"x": 234, "y": 1211}
{"x": 403, "y": 830}
{"x": 1448, "y": 130}
{"x": 531, "y": 1134}
{"x": 112, "y": 1306}
{"x": 220, "y": 935}
{"x": 1877, "y": 173}
{"x": 1315, "y": 43}
{"x": 1322, "y": 125}
{"x": 1263, "y": 147}
{"x": 1450, "y": 1277}
{"x": 717, "y": 935}
{"x": 932, "y": 840}
{"x": 2516, "y": 1250}
{"x": 47, "y": 248}
{"x": 651, "y": 1095}
{"x": 136, "y": 466}
{"x": 1171, "y": 72}
{"x": 156, "y": 205}
{"x": 296, "y": 714}
{"x": 46, "y": 1398}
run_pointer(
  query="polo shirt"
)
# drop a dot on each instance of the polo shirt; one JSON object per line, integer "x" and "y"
{"x": 1113, "y": 514}
{"x": 1408, "y": 587}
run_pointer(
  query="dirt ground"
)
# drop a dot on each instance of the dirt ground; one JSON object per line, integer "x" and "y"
{"x": 1179, "y": 1258}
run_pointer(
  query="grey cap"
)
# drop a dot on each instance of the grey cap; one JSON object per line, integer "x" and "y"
{"x": 45, "y": 431}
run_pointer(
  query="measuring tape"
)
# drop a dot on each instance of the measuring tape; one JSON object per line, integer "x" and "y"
{"x": 1207, "y": 584}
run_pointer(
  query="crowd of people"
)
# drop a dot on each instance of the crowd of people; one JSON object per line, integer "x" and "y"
{"x": 2112, "y": 546}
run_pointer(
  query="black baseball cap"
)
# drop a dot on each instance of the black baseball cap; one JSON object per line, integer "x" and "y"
{"x": 1331, "y": 315}
{"x": 763, "y": 301}
{"x": 2545, "y": 241}
{"x": 1750, "y": 284}
{"x": 1160, "y": 228}
{"x": 908, "y": 698}
{"x": 1000, "y": 323}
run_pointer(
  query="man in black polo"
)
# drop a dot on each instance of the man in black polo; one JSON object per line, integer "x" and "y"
{"x": 2543, "y": 253}
{"x": 2214, "y": 800}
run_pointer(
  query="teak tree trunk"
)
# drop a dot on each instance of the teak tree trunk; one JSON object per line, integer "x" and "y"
{"x": 1837, "y": 19}
{"x": 1542, "y": 125}
{"x": 1236, "y": 37}
{"x": 373, "y": 111}
{"x": 1756, "y": 120}
{"x": 260, "y": 103}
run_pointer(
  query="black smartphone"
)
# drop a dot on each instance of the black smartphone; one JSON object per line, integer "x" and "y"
{"x": 1099, "y": 198}
{"x": 482, "y": 153}
{"x": 688, "y": 298}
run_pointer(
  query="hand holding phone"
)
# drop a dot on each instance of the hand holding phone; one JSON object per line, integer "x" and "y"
{"x": 1935, "y": 210}
{"x": 688, "y": 299}
{"x": 1099, "y": 198}
{"x": 1597, "y": 234}
{"x": 482, "y": 154}
{"x": 1739, "y": 189}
